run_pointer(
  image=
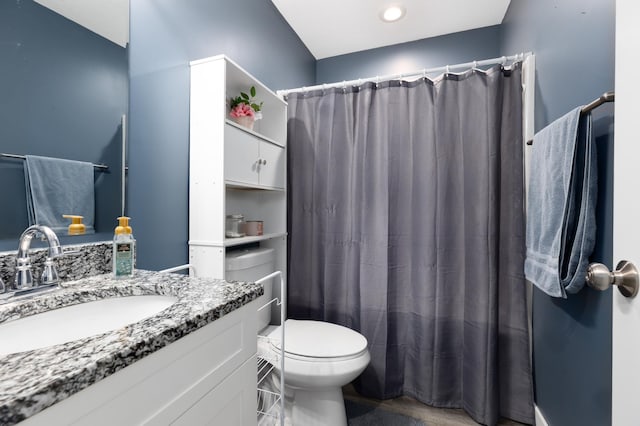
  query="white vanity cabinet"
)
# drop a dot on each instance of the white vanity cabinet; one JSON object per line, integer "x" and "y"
{"x": 206, "y": 377}
{"x": 232, "y": 169}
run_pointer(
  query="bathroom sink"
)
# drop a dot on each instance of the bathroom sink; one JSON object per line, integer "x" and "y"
{"x": 78, "y": 321}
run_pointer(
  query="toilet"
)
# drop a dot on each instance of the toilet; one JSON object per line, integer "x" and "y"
{"x": 320, "y": 357}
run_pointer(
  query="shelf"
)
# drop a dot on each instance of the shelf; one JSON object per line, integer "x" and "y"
{"x": 246, "y": 186}
{"x": 268, "y": 407}
{"x": 270, "y": 383}
{"x": 231, "y": 242}
{"x": 265, "y": 368}
{"x": 253, "y": 133}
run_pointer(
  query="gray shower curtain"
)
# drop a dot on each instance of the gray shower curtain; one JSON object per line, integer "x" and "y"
{"x": 406, "y": 223}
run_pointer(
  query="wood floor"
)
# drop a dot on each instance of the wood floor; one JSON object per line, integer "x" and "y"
{"x": 411, "y": 407}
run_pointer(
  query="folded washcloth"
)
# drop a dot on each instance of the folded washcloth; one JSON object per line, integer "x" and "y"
{"x": 56, "y": 187}
{"x": 561, "y": 205}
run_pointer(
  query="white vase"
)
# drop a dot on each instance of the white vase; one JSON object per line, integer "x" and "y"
{"x": 245, "y": 121}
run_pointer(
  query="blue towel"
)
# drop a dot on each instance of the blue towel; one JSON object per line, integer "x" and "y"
{"x": 56, "y": 187}
{"x": 561, "y": 205}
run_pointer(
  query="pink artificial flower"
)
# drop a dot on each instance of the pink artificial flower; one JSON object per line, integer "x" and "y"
{"x": 242, "y": 110}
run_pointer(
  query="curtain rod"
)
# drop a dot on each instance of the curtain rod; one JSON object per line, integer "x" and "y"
{"x": 22, "y": 157}
{"x": 606, "y": 97}
{"x": 414, "y": 74}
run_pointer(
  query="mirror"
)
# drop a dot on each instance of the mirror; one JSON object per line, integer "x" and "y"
{"x": 63, "y": 93}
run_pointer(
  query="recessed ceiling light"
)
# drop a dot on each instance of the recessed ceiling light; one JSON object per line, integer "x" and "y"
{"x": 392, "y": 13}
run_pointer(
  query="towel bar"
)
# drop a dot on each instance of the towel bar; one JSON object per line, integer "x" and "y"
{"x": 606, "y": 97}
{"x": 22, "y": 157}
{"x": 625, "y": 277}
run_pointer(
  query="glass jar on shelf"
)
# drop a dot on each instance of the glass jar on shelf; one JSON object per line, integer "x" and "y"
{"x": 235, "y": 226}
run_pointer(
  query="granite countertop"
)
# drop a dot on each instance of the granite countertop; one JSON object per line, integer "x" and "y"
{"x": 67, "y": 368}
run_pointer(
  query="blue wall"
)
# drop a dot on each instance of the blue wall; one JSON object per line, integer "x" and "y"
{"x": 573, "y": 42}
{"x": 466, "y": 46}
{"x": 165, "y": 36}
{"x": 63, "y": 90}
{"x": 574, "y": 45}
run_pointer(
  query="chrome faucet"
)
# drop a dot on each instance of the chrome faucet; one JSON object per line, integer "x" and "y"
{"x": 24, "y": 276}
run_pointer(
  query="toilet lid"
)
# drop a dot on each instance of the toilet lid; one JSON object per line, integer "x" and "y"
{"x": 320, "y": 339}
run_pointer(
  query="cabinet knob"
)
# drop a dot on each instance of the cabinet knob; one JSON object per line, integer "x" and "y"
{"x": 264, "y": 162}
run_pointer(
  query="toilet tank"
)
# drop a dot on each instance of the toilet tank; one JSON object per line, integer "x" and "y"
{"x": 250, "y": 265}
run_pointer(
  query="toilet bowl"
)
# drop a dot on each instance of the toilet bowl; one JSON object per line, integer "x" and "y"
{"x": 319, "y": 358}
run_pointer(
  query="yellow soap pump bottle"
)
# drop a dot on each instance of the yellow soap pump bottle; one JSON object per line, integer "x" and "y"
{"x": 123, "y": 249}
{"x": 76, "y": 227}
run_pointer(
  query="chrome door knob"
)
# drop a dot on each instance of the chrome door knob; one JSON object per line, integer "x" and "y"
{"x": 625, "y": 277}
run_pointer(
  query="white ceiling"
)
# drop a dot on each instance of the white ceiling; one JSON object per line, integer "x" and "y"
{"x": 107, "y": 18}
{"x": 335, "y": 27}
{"x": 327, "y": 27}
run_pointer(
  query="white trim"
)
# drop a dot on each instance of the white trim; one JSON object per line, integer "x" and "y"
{"x": 528, "y": 131}
{"x": 123, "y": 169}
{"x": 528, "y": 96}
{"x": 626, "y": 312}
{"x": 540, "y": 420}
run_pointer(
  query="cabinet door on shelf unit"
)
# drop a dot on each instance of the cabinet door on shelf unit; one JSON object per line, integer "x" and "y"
{"x": 241, "y": 153}
{"x": 272, "y": 165}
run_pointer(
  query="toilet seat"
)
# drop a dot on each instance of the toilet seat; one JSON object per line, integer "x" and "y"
{"x": 316, "y": 359}
{"x": 318, "y": 341}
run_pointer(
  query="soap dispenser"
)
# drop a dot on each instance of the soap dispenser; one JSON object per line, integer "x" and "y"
{"x": 76, "y": 227}
{"x": 123, "y": 249}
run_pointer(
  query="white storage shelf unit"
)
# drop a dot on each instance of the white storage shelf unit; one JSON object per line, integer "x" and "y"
{"x": 270, "y": 384}
{"x": 233, "y": 170}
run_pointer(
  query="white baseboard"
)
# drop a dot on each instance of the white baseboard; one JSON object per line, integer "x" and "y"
{"x": 540, "y": 420}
